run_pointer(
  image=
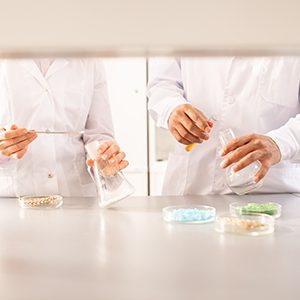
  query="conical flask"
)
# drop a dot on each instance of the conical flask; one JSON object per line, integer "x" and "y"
{"x": 240, "y": 182}
{"x": 112, "y": 186}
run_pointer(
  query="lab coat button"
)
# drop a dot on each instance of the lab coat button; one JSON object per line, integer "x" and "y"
{"x": 230, "y": 99}
{"x": 50, "y": 175}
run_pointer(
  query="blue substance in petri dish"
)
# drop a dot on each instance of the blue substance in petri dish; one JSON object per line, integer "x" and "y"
{"x": 189, "y": 215}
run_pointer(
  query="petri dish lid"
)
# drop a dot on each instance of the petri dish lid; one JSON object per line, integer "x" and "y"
{"x": 189, "y": 214}
{"x": 270, "y": 208}
{"x": 252, "y": 224}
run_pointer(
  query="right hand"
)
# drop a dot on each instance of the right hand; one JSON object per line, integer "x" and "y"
{"x": 110, "y": 152}
{"x": 15, "y": 141}
{"x": 189, "y": 125}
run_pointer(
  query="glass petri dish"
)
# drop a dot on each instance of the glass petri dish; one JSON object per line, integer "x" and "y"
{"x": 246, "y": 224}
{"x": 192, "y": 214}
{"x": 269, "y": 208}
{"x": 47, "y": 201}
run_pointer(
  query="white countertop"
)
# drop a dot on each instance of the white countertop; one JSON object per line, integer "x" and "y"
{"x": 129, "y": 253}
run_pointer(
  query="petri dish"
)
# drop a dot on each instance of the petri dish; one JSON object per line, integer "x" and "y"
{"x": 269, "y": 208}
{"x": 246, "y": 224}
{"x": 196, "y": 214}
{"x": 46, "y": 201}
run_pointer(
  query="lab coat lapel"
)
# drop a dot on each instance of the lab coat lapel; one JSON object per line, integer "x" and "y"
{"x": 34, "y": 70}
{"x": 56, "y": 66}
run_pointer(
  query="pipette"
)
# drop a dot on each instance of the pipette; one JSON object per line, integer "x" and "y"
{"x": 47, "y": 131}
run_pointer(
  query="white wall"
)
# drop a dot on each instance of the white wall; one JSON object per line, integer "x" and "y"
{"x": 146, "y": 27}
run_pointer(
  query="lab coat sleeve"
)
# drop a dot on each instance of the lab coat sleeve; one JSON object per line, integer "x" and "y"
{"x": 99, "y": 125}
{"x": 4, "y": 161}
{"x": 165, "y": 89}
{"x": 287, "y": 138}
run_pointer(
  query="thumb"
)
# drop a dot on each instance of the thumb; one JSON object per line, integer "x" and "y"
{"x": 13, "y": 127}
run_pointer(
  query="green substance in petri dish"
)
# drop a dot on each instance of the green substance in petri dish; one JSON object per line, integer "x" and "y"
{"x": 263, "y": 208}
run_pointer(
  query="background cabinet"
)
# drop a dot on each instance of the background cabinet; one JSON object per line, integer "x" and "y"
{"x": 146, "y": 146}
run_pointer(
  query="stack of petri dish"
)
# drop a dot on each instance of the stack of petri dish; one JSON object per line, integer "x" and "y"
{"x": 252, "y": 219}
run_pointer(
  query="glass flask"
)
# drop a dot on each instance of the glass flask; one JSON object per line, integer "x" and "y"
{"x": 111, "y": 184}
{"x": 240, "y": 182}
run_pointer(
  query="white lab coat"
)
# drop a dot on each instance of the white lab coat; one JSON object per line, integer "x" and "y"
{"x": 259, "y": 95}
{"x": 71, "y": 97}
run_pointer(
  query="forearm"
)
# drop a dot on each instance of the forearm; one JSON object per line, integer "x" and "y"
{"x": 165, "y": 89}
{"x": 99, "y": 125}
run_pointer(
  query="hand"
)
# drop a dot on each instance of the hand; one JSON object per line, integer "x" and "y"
{"x": 14, "y": 142}
{"x": 246, "y": 149}
{"x": 109, "y": 151}
{"x": 189, "y": 125}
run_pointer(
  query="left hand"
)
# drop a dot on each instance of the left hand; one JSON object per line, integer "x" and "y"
{"x": 109, "y": 151}
{"x": 248, "y": 148}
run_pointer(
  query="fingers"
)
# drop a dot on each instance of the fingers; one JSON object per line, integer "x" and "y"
{"x": 189, "y": 125}
{"x": 110, "y": 150}
{"x": 117, "y": 158}
{"x": 248, "y": 149}
{"x": 180, "y": 138}
{"x": 235, "y": 143}
{"x": 237, "y": 154}
{"x": 118, "y": 161}
{"x": 10, "y": 142}
{"x": 20, "y": 154}
{"x": 261, "y": 172}
{"x": 247, "y": 160}
{"x": 2, "y": 133}
{"x": 18, "y": 132}
{"x": 197, "y": 117}
{"x": 13, "y": 127}
{"x": 18, "y": 147}
{"x": 187, "y": 135}
{"x": 210, "y": 123}
{"x": 123, "y": 164}
{"x": 104, "y": 146}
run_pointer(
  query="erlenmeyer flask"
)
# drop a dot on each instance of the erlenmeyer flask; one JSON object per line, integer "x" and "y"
{"x": 240, "y": 182}
{"x": 111, "y": 184}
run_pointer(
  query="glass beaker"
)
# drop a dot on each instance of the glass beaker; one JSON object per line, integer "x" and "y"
{"x": 240, "y": 182}
{"x": 112, "y": 186}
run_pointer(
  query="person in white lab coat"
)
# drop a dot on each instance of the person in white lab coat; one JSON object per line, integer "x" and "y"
{"x": 258, "y": 98}
{"x": 57, "y": 95}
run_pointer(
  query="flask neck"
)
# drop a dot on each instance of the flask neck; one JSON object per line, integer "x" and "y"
{"x": 226, "y": 136}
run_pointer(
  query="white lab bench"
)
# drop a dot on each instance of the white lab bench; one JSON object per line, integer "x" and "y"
{"x": 129, "y": 253}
